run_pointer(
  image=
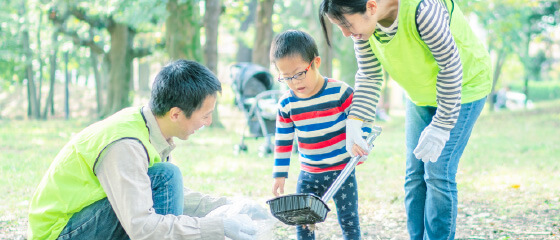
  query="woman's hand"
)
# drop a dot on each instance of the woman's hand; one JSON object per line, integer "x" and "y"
{"x": 431, "y": 143}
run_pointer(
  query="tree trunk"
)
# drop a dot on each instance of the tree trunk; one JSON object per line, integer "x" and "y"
{"x": 66, "y": 85}
{"x": 501, "y": 59}
{"x": 49, "y": 102}
{"x": 244, "y": 53}
{"x": 211, "y": 23}
{"x": 264, "y": 32}
{"x": 525, "y": 59}
{"x": 183, "y": 30}
{"x": 144, "y": 77}
{"x": 33, "y": 109}
{"x": 120, "y": 56}
{"x": 41, "y": 64}
{"x": 325, "y": 51}
{"x": 98, "y": 87}
{"x": 345, "y": 53}
{"x": 386, "y": 96}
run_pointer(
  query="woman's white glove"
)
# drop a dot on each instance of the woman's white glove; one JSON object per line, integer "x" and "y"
{"x": 240, "y": 227}
{"x": 354, "y": 135}
{"x": 431, "y": 143}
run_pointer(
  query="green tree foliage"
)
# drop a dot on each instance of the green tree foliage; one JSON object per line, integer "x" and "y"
{"x": 183, "y": 30}
{"x": 119, "y": 22}
{"x": 512, "y": 26}
{"x": 11, "y": 62}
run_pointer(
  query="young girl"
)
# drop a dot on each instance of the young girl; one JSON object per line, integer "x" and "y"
{"x": 315, "y": 110}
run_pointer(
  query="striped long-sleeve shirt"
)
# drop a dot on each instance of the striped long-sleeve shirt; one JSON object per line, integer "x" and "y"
{"x": 432, "y": 20}
{"x": 319, "y": 122}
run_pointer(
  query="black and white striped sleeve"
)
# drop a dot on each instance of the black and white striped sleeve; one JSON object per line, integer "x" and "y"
{"x": 432, "y": 20}
{"x": 369, "y": 79}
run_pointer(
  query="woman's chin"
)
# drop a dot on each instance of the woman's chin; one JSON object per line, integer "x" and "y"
{"x": 357, "y": 36}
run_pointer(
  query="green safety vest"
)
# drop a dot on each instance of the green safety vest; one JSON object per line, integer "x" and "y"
{"x": 70, "y": 183}
{"x": 409, "y": 61}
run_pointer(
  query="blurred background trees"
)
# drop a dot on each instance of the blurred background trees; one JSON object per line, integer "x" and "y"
{"x": 113, "y": 48}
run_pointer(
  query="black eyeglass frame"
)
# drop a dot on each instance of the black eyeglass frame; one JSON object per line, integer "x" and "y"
{"x": 298, "y": 76}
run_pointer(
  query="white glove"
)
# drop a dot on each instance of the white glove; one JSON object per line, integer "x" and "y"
{"x": 240, "y": 227}
{"x": 431, "y": 142}
{"x": 254, "y": 211}
{"x": 354, "y": 135}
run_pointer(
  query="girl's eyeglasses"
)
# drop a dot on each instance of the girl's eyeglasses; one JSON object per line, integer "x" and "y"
{"x": 297, "y": 76}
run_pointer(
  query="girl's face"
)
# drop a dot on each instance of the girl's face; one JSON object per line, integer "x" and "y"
{"x": 358, "y": 25}
{"x": 295, "y": 66}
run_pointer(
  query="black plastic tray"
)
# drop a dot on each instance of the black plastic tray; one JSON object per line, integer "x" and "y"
{"x": 298, "y": 209}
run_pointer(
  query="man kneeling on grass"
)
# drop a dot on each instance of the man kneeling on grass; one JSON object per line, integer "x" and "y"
{"x": 113, "y": 180}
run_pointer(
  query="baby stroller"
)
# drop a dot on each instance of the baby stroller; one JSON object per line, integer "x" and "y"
{"x": 254, "y": 95}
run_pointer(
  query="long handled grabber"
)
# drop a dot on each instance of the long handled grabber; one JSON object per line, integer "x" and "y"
{"x": 307, "y": 208}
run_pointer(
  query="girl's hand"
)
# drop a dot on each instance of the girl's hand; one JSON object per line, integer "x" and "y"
{"x": 354, "y": 136}
{"x": 278, "y": 186}
{"x": 358, "y": 151}
{"x": 310, "y": 227}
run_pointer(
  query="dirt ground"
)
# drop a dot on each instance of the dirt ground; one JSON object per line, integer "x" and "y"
{"x": 475, "y": 220}
{"x": 514, "y": 216}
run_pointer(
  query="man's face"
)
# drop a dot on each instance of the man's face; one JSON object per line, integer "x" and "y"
{"x": 199, "y": 118}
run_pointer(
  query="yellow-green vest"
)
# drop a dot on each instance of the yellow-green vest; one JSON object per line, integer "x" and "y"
{"x": 70, "y": 183}
{"x": 409, "y": 61}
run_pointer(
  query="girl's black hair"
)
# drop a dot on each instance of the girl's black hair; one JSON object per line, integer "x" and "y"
{"x": 293, "y": 43}
{"x": 336, "y": 9}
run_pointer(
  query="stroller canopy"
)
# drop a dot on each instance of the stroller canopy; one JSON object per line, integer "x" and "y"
{"x": 250, "y": 79}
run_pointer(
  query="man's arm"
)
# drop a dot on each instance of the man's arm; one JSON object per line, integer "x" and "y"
{"x": 122, "y": 172}
{"x": 199, "y": 204}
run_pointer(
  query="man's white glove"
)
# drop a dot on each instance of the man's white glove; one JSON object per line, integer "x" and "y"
{"x": 354, "y": 135}
{"x": 431, "y": 143}
{"x": 254, "y": 211}
{"x": 240, "y": 227}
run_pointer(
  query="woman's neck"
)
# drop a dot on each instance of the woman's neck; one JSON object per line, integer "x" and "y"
{"x": 388, "y": 10}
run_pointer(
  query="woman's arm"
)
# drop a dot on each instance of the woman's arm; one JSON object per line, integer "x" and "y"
{"x": 369, "y": 79}
{"x": 432, "y": 20}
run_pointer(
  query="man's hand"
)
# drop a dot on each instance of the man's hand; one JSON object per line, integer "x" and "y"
{"x": 278, "y": 186}
{"x": 354, "y": 136}
{"x": 240, "y": 227}
{"x": 254, "y": 210}
{"x": 431, "y": 143}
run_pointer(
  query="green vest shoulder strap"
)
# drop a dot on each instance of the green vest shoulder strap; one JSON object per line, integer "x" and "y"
{"x": 409, "y": 61}
{"x": 70, "y": 183}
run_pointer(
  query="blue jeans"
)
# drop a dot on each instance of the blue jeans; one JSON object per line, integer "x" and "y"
{"x": 346, "y": 201}
{"x": 98, "y": 220}
{"x": 430, "y": 188}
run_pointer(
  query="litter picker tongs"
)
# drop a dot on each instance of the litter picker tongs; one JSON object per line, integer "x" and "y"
{"x": 307, "y": 208}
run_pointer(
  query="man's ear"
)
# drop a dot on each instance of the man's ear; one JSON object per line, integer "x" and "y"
{"x": 174, "y": 113}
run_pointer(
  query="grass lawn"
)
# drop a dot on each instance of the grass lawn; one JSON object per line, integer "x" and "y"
{"x": 508, "y": 178}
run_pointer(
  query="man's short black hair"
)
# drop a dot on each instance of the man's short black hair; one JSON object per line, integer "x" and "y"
{"x": 184, "y": 84}
{"x": 293, "y": 43}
